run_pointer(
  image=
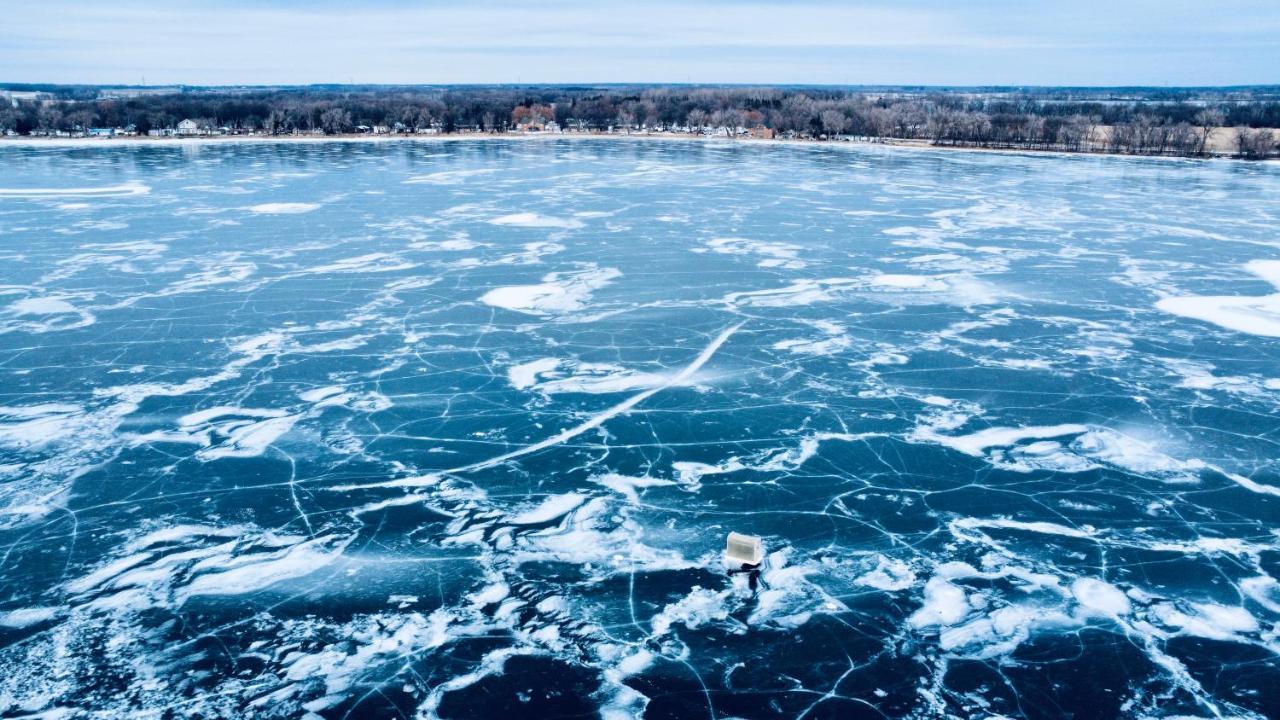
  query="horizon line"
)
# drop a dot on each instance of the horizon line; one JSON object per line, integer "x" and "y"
{"x": 7, "y": 85}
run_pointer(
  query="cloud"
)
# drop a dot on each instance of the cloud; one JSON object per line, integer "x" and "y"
{"x": 935, "y": 42}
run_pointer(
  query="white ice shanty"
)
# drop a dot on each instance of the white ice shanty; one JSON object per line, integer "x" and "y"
{"x": 743, "y": 550}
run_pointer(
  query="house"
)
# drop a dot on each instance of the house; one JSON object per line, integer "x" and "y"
{"x": 102, "y": 132}
{"x": 189, "y": 127}
{"x": 761, "y": 132}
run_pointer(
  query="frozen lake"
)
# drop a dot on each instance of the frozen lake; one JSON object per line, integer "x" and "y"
{"x": 458, "y": 429}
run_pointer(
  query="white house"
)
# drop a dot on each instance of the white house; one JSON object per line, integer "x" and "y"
{"x": 189, "y": 127}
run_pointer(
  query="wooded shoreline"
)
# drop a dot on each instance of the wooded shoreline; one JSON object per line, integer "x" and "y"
{"x": 907, "y": 144}
{"x": 1239, "y": 122}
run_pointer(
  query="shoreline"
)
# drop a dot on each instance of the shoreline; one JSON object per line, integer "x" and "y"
{"x": 905, "y": 144}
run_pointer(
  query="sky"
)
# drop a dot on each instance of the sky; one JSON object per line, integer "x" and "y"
{"x": 915, "y": 42}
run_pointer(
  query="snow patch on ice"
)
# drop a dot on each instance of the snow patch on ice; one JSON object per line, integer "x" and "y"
{"x": 774, "y": 254}
{"x": 534, "y": 220}
{"x": 1258, "y": 315}
{"x": 123, "y": 190}
{"x": 283, "y": 208}
{"x": 560, "y": 293}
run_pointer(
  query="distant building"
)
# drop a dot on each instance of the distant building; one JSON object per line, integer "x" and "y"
{"x": 102, "y": 132}
{"x": 761, "y": 132}
{"x": 189, "y": 127}
{"x": 13, "y": 97}
{"x": 127, "y": 93}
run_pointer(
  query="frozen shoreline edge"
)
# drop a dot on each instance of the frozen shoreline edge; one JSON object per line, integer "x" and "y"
{"x": 26, "y": 141}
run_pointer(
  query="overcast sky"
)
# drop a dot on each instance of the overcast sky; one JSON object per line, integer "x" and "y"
{"x": 937, "y": 42}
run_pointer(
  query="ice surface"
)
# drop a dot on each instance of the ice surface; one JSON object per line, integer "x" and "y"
{"x": 283, "y": 208}
{"x": 470, "y": 444}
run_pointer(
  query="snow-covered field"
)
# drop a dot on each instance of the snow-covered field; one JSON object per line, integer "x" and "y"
{"x": 459, "y": 429}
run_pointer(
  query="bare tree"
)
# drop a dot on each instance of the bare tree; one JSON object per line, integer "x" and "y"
{"x": 335, "y": 120}
{"x": 1254, "y": 144}
{"x": 1207, "y": 121}
{"x": 730, "y": 120}
{"x": 697, "y": 119}
{"x": 834, "y": 122}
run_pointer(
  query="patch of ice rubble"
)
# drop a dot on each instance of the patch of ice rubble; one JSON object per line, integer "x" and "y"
{"x": 1264, "y": 590}
{"x": 26, "y": 617}
{"x": 221, "y": 271}
{"x": 175, "y": 564}
{"x": 787, "y": 599}
{"x": 799, "y": 293}
{"x": 46, "y": 314}
{"x": 974, "y": 443}
{"x": 627, "y": 485}
{"x": 889, "y": 575}
{"x": 338, "y": 396}
{"x": 835, "y": 339}
{"x": 41, "y": 306}
{"x": 454, "y": 245}
{"x": 27, "y": 426}
{"x": 234, "y": 432}
{"x": 559, "y": 293}
{"x": 769, "y": 460}
{"x": 525, "y": 375}
{"x": 74, "y": 439}
{"x": 372, "y": 263}
{"x": 1199, "y": 375}
{"x": 989, "y": 623}
{"x": 581, "y": 530}
{"x": 699, "y": 607}
{"x": 554, "y": 507}
{"x": 550, "y": 376}
{"x": 1068, "y": 447}
{"x": 1206, "y": 620}
{"x": 1100, "y": 597}
{"x": 944, "y": 604}
{"x": 773, "y": 254}
{"x": 955, "y": 289}
{"x": 243, "y": 575}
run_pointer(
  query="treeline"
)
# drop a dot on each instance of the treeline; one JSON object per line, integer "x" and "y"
{"x": 1158, "y": 122}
